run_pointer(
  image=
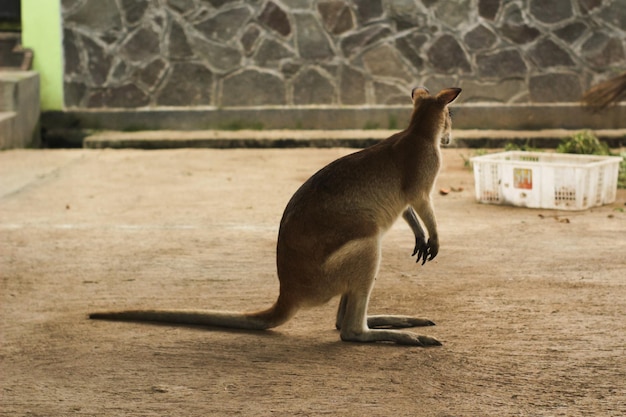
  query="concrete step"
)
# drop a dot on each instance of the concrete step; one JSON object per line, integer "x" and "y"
{"x": 7, "y": 126}
{"x": 12, "y": 55}
{"x": 169, "y": 139}
{"x": 19, "y": 104}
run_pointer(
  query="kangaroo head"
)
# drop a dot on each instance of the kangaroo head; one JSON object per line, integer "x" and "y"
{"x": 432, "y": 112}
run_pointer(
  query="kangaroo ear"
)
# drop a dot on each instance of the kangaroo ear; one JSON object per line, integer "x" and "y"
{"x": 448, "y": 95}
{"x": 419, "y": 92}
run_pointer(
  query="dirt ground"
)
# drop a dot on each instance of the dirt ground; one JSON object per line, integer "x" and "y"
{"x": 530, "y": 304}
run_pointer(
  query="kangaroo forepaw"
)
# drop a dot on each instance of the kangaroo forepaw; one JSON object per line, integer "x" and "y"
{"x": 421, "y": 250}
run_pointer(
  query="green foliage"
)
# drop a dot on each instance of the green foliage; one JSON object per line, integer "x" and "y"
{"x": 585, "y": 143}
{"x": 467, "y": 160}
{"x": 370, "y": 125}
{"x": 393, "y": 122}
{"x": 512, "y": 146}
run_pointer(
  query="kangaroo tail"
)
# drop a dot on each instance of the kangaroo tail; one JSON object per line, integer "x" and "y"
{"x": 274, "y": 316}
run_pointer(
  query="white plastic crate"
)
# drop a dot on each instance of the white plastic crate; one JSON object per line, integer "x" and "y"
{"x": 546, "y": 180}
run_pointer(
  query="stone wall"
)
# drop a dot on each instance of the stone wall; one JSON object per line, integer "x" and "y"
{"x": 226, "y": 53}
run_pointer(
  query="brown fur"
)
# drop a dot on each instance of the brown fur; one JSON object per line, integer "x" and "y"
{"x": 329, "y": 241}
{"x": 606, "y": 94}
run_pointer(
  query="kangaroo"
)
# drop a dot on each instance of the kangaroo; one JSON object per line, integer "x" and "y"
{"x": 329, "y": 241}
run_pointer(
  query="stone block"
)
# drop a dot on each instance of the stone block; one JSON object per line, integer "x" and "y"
{"x": 479, "y": 38}
{"x": 390, "y": 94}
{"x": 179, "y": 47}
{"x": 410, "y": 46}
{"x": 99, "y": 61}
{"x": 134, "y": 10}
{"x": 152, "y": 74}
{"x": 615, "y": 14}
{"x": 142, "y": 45}
{"x": 123, "y": 96}
{"x": 501, "y": 64}
{"x": 519, "y": 33}
{"x": 249, "y": 38}
{"x": 552, "y": 11}
{"x": 488, "y": 9}
{"x": 98, "y": 15}
{"x": 384, "y": 61}
{"x": 219, "y": 3}
{"x": 495, "y": 92}
{"x": 588, "y": 5}
{"x": 181, "y": 6}
{"x": 546, "y": 54}
{"x": 19, "y": 109}
{"x": 351, "y": 86}
{"x": 336, "y": 15}
{"x": 353, "y": 43}
{"x": 555, "y": 88}
{"x": 188, "y": 84}
{"x": 270, "y": 52}
{"x": 223, "y": 26}
{"x": 572, "y": 32}
{"x": 446, "y": 55}
{"x": 602, "y": 50}
{"x": 453, "y": 13}
{"x": 275, "y": 18}
{"x": 219, "y": 56}
{"x": 404, "y": 13}
{"x": 74, "y": 94}
{"x": 367, "y": 10}
{"x": 253, "y": 88}
{"x": 311, "y": 38}
{"x": 311, "y": 87}
{"x": 73, "y": 62}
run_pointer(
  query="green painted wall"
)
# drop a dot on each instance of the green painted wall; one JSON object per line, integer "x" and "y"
{"x": 41, "y": 32}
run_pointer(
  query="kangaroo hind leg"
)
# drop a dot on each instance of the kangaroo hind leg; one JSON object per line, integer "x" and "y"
{"x": 396, "y": 322}
{"x": 354, "y": 326}
{"x": 356, "y": 264}
{"x": 383, "y": 321}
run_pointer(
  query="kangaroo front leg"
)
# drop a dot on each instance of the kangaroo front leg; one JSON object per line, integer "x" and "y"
{"x": 421, "y": 246}
{"x": 424, "y": 209}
